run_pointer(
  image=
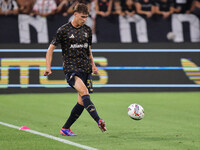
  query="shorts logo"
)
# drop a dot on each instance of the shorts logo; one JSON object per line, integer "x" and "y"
{"x": 72, "y": 36}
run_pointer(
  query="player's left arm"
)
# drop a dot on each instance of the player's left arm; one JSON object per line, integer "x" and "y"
{"x": 94, "y": 68}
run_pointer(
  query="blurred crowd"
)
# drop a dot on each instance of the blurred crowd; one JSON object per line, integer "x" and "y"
{"x": 101, "y": 8}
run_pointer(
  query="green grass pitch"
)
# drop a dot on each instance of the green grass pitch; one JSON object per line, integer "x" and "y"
{"x": 171, "y": 122}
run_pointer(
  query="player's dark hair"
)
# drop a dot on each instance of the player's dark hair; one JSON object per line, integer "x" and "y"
{"x": 81, "y": 8}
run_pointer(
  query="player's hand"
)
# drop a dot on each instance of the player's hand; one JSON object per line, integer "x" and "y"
{"x": 47, "y": 72}
{"x": 149, "y": 14}
{"x": 95, "y": 70}
{"x": 166, "y": 15}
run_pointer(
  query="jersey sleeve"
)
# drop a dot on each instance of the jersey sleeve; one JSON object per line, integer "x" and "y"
{"x": 57, "y": 38}
{"x": 90, "y": 37}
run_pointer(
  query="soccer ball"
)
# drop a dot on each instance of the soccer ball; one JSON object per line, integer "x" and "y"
{"x": 136, "y": 111}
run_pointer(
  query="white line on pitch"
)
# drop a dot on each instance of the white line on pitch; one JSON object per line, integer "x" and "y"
{"x": 50, "y": 137}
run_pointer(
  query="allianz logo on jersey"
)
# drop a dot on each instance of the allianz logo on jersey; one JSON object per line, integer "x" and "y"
{"x": 85, "y": 45}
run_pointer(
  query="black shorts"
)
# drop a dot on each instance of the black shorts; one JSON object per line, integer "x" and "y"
{"x": 85, "y": 77}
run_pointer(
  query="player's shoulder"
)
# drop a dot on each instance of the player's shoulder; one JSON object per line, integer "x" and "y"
{"x": 64, "y": 27}
{"x": 87, "y": 27}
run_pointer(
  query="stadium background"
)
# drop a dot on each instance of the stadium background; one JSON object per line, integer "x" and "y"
{"x": 26, "y": 29}
{"x": 156, "y": 66}
{"x": 147, "y": 70}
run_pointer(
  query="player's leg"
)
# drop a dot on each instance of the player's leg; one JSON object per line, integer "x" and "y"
{"x": 89, "y": 106}
{"x": 75, "y": 113}
{"x": 83, "y": 92}
{"x": 80, "y": 100}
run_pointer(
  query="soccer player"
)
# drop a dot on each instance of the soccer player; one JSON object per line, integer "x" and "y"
{"x": 75, "y": 38}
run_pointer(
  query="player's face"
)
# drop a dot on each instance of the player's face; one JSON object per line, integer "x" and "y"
{"x": 81, "y": 18}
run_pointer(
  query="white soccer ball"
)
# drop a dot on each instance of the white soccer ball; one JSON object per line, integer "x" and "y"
{"x": 136, "y": 111}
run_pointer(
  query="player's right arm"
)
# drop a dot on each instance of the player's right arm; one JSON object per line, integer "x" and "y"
{"x": 49, "y": 56}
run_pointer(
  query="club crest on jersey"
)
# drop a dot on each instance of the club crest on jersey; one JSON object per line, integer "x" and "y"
{"x": 72, "y": 36}
{"x": 86, "y": 34}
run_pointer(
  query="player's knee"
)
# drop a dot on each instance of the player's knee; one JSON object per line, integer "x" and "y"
{"x": 84, "y": 92}
{"x": 80, "y": 102}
